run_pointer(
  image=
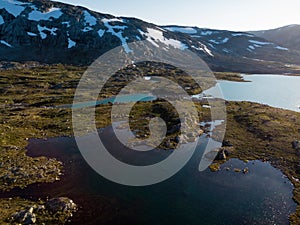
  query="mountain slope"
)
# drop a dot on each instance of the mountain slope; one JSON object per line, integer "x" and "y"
{"x": 288, "y": 36}
{"x": 53, "y": 32}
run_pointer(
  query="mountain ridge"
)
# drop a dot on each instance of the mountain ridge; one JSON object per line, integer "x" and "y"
{"x": 287, "y": 36}
{"x": 55, "y": 32}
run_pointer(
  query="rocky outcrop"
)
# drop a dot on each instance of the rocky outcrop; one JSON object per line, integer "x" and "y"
{"x": 24, "y": 217}
{"x": 56, "y": 209}
{"x": 61, "y": 204}
{"x": 222, "y": 154}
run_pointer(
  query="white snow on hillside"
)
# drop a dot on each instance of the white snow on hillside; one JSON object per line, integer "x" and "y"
{"x": 87, "y": 29}
{"x": 205, "y": 33}
{"x": 31, "y": 34}
{"x": 153, "y": 36}
{"x": 89, "y": 19}
{"x": 260, "y": 42}
{"x": 43, "y": 34}
{"x": 242, "y": 34}
{"x": 208, "y": 51}
{"x": 186, "y": 30}
{"x": 1, "y": 20}
{"x": 5, "y": 43}
{"x": 13, "y": 7}
{"x": 101, "y": 32}
{"x": 203, "y": 48}
{"x": 218, "y": 42}
{"x": 36, "y": 15}
{"x": 67, "y": 23}
{"x": 282, "y": 48}
{"x": 113, "y": 20}
{"x": 112, "y": 29}
{"x": 71, "y": 43}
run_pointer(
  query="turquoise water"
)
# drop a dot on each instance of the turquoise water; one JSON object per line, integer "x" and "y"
{"x": 274, "y": 90}
{"x": 120, "y": 99}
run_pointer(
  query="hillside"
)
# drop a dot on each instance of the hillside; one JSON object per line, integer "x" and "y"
{"x": 287, "y": 36}
{"x": 53, "y": 32}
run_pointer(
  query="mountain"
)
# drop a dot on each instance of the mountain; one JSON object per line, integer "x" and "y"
{"x": 287, "y": 36}
{"x": 54, "y": 32}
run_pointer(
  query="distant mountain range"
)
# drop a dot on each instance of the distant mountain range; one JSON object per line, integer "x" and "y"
{"x": 288, "y": 36}
{"x": 53, "y": 32}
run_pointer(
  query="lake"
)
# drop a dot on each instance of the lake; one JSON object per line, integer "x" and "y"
{"x": 263, "y": 196}
{"x": 274, "y": 90}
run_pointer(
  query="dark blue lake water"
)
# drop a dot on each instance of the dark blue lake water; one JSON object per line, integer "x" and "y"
{"x": 263, "y": 196}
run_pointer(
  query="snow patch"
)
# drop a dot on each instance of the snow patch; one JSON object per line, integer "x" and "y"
{"x": 205, "y": 33}
{"x": 119, "y": 34}
{"x": 43, "y": 34}
{"x": 186, "y": 30}
{"x": 36, "y": 15}
{"x": 260, "y": 42}
{"x": 203, "y": 49}
{"x": 71, "y": 43}
{"x": 87, "y": 29}
{"x": 66, "y": 23}
{"x": 32, "y": 34}
{"x": 5, "y": 43}
{"x": 113, "y": 20}
{"x": 13, "y": 7}
{"x": 242, "y": 34}
{"x": 218, "y": 42}
{"x": 154, "y": 35}
{"x": 1, "y": 20}
{"x": 282, "y": 48}
{"x": 101, "y": 32}
{"x": 208, "y": 51}
{"x": 226, "y": 50}
{"x": 89, "y": 19}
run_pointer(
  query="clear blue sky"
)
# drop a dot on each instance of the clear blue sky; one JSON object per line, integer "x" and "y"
{"x": 238, "y": 15}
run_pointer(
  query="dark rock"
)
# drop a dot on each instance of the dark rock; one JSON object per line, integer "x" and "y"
{"x": 246, "y": 170}
{"x": 221, "y": 155}
{"x": 61, "y": 204}
{"x": 296, "y": 145}
{"x": 25, "y": 217}
{"x": 226, "y": 143}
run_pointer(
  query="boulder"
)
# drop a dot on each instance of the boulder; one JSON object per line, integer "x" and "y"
{"x": 61, "y": 204}
{"x": 24, "y": 217}
{"x": 222, "y": 154}
{"x": 246, "y": 170}
{"x": 226, "y": 143}
{"x": 296, "y": 145}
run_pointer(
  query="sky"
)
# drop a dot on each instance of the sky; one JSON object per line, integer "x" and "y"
{"x": 235, "y": 15}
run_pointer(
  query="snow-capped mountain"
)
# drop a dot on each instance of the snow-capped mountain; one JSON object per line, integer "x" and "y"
{"x": 53, "y": 32}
